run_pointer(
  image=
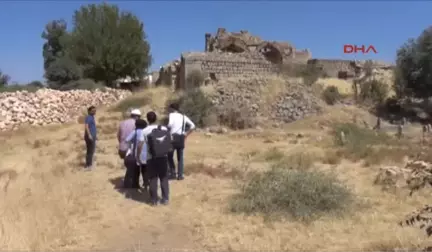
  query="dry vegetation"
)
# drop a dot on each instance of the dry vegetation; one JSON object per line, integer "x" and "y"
{"x": 295, "y": 188}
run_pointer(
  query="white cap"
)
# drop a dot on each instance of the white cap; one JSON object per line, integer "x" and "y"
{"x": 135, "y": 112}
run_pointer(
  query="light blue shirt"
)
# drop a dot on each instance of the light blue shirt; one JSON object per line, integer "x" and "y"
{"x": 139, "y": 138}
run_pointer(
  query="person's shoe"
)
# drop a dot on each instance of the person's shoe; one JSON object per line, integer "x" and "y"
{"x": 180, "y": 178}
{"x": 172, "y": 177}
{"x": 88, "y": 168}
{"x": 164, "y": 202}
{"x": 153, "y": 203}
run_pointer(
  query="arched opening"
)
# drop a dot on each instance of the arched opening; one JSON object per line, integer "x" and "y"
{"x": 271, "y": 53}
{"x": 233, "y": 45}
{"x": 233, "y": 48}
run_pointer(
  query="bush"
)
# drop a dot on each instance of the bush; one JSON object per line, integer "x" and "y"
{"x": 310, "y": 73}
{"x": 135, "y": 101}
{"x": 195, "y": 79}
{"x": 374, "y": 90}
{"x": 360, "y": 143}
{"x": 236, "y": 118}
{"x": 413, "y": 71}
{"x": 16, "y": 87}
{"x": 302, "y": 194}
{"x": 196, "y": 105}
{"x": 331, "y": 95}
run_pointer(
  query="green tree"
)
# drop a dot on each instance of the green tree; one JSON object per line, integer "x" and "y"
{"x": 109, "y": 44}
{"x": 59, "y": 68}
{"x": 62, "y": 71}
{"x": 414, "y": 67}
{"x": 4, "y": 79}
{"x": 55, "y": 34}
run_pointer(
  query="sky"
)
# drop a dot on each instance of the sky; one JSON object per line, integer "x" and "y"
{"x": 174, "y": 27}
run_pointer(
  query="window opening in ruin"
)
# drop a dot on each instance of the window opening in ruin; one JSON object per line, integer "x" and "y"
{"x": 343, "y": 75}
{"x": 234, "y": 49}
{"x": 213, "y": 76}
{"x": 272, "y": 54}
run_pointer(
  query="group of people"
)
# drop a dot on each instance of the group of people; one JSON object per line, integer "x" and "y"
{"x": 147, "y": 149}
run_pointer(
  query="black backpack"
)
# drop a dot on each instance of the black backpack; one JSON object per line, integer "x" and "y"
{"x": 159, "y": 142}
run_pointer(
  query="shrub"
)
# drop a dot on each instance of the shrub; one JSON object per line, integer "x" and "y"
{"x": 17, "y": 87}
{"x": 374, "y": 90}
{"x": 331, "y": 95}
{"x": 84, "y": 84}
{"x": 302, "y": 194}
{"x": 135, "y": 101}
{"x": 195, "y": 79}
{"x": 236, "y": 118}
{"x": 360, "y": 143}
{"x": 310, "y": 72}
{"x": 196, "y": 105}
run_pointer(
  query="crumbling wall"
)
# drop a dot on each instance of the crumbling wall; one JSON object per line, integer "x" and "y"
{"x": 332, "y": 67}
{"x": 225, "y": 65}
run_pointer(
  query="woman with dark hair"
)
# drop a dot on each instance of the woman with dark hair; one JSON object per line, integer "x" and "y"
{"x": 136, "y": 157}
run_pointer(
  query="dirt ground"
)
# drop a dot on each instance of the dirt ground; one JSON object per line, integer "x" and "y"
{"x": 49, "y": 203}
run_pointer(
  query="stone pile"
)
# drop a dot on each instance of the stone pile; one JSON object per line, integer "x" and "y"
{"x": 47, "y": 106}
{"x": 415, "y": 175}
{"x": 282, "y": 100}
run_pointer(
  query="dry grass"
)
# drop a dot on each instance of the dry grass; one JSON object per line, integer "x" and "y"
{"x": 49, "y": 203}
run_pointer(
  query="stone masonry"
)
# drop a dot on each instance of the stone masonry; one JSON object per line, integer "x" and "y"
{"x": 218, "y": 65}
{"x": 231, "y": 54}
{"x": 241, "y": 54}
{"x": 47, "y": 106}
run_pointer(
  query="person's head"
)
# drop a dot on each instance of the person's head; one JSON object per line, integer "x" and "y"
{"x": 135, "y": 114}
{"x": 173, "y": 107}
{"x": 91, "y": 110}
{"x": 151, "y": 117}
{"x": 140, "y": 124}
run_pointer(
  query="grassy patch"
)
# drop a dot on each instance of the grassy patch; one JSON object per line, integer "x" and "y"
{"x": 356, "y": 143}
{"x": 135, "y": 101}
{"x": 301, "y": 194}
{"x": 222, "y": 170}
{"x": 298, "y": 160}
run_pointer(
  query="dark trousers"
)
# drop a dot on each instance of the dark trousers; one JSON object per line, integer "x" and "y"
{"x": 133, "y": 170}
{"x": 180, "y": 163}
{"x": 157, "y": 169}
{"x": 144, "y": 175}
{"x": 90, "y": 150}
{"x": 131, "y": 178}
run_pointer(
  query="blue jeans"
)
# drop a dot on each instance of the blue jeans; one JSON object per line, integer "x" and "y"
{"x": 90, "y": 150}
{"x": 180, "y": 163}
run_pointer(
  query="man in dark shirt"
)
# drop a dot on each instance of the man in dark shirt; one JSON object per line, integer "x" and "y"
{"x": 90, "y": 134}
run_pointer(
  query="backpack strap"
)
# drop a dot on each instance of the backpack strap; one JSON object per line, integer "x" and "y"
{"x": 135, "y": 143}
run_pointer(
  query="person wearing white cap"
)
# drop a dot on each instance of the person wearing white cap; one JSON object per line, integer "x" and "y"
{"x": 125, "y": 128}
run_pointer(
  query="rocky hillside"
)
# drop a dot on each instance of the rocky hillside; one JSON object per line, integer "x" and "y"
{"x": 47, "y": 106}
{"x": 270, "y": 97}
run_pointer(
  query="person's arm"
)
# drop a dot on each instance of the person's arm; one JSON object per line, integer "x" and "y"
{"x": 140, "y": 144}
{"x": 191, "y": 126}
{"x": 170, "y": 121}
{"x": 130, "y": 137}
{"x": 87, "y": 128}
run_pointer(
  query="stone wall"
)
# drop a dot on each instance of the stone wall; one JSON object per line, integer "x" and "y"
{"x": 47, "y": 106}
{"x": 224, "y": 65}
{"x": 332, "y": 67}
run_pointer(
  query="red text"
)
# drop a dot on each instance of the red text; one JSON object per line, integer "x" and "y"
{"x": 348, "y": 49}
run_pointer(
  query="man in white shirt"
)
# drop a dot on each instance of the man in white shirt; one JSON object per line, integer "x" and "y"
{"x": 177, "y": 125}
{"x": 157, "y": 167}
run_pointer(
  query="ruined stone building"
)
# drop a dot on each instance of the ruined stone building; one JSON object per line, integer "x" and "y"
{"x": 238, "y": 54}
{"x": 228, "y": 54}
